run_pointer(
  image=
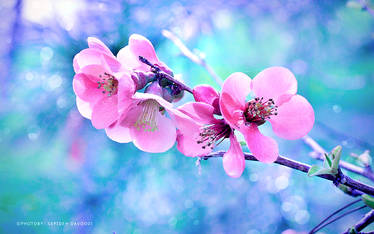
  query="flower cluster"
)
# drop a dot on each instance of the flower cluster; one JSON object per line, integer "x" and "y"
{"x": 131, "y": 96}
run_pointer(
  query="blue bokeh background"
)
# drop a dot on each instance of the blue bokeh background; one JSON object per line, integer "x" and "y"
{"x": 54, "y": 166}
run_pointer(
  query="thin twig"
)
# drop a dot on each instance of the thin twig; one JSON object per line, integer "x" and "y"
{"x": 366, "y": 7}
{"x": 354, "y": 184}
{"x": 346, "y": 165}
{"x": 337, "y": 211}
{"x": 192, "y": 56}
{"x": 363, "y": 223}
{"x": 337, "y": 218}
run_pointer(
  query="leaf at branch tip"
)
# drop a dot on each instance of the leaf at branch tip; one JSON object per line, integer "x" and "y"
{"x": 352, "y": 230}
{"x": 336, "y": 154}
{"x": 328, "y": 160}
{"x": 317, "y": 170}
{"x": 368, "y": 200}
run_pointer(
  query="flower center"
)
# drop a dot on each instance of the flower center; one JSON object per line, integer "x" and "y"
{"x": 108, "y": 83}
{"x": 213, "y": 134}
{"x": 148, "y": 119}
{"x": 258, "y": 110}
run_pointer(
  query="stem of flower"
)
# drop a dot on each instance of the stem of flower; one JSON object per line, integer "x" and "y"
{"x": 354, "y": 184}
{"x": 319, "y": 151}
{"x": 363, "y": 223}
{"x": 337, "y": 218}
{"x": 337, "y": 211}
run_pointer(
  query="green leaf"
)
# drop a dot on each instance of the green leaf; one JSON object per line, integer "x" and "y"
{"x": 243, "y": 143}
{"x": 317, "y": 170}
{"x": 328, "y": 160}
{"x": 352, "y": 230}
{"x": 336, "y": 154}
{"x": 368, "y": 200}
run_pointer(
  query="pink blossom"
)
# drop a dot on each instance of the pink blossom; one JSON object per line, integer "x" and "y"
{"x": 99, "y": 84}
{"x": 199, "y": 130}
{"x": 140, "y": 46}
{"x": 143, "y": 120}
{"x": 275, "y": 100}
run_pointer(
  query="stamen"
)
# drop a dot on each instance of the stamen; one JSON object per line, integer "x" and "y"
{"x": 148, "y": 120}
{"x": 109, "y": 83}
{"x": 258, "y": 110}
{"x": 213, "y": 134}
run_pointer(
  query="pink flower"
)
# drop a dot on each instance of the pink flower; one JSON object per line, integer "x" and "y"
{"x": 140, "y": 46}
{"x": 199, "y": 130}
{"x": 275, "y": 100}
{"x": 143, "y": 120}
{"x": 99, "y": 84}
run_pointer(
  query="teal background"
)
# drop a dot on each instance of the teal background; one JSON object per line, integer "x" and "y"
{"x": 54, "y": 166}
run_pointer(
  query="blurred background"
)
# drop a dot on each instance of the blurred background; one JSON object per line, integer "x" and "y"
{"x": 55, "y": 167}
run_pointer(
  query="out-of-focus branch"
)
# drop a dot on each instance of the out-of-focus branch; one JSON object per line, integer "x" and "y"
{"x": 281, "y": 160}
{"x": 319, "y": 154}
{"x": 363, "y": 223}
{"x": 191, "y": 55}
{"x": 366, "y": 7}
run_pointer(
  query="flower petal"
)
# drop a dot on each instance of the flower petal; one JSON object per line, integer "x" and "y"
{"x": 199, "y": 112}
{"x": 141, "y": 46}
{"x": 95, "y": 43}
{"x": 295, "y": 118}
{"x": 157, "y": 141}
{"x": 84, "y": 108}
{"x": 232, "y": 100}
{"x": 264, "y": 148}
{"x": 187, "y": 138}
{"x": 105, "y": 112}
{"x": 118, "y": 133}
{"x": 233, "y": 160}
{"x": 93, "y": 56}
{"x": 206, "y": 94}
{"x": 126, "y": 89}
{"x": 274, "y": 82}
{"x": 86, "y": 89}
{"x": 128, "y": 59}
{"x": 86, "y": 57}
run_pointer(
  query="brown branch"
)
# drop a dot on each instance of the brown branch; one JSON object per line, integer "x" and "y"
{"x": 346, "y": 180}
{"x": 363, "y": 223}
{"x": 319, "y": 154}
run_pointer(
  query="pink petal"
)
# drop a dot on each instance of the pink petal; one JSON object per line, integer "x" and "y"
{"x": 93, "y": 72}
{"x": 145, "y": 96}
{"x": 118, "y": 133}
{"x": 295, "y": 118}
{"x": 264, "y": 148}
{"x": 233, "y": 160}
{"x": 205, "y": 93}
{"x": 187, "y": 137}
{"x": 157, "y": 141}
{"x": 86, "y": 57}
{"x": 92, "y": 56}
{"x": 199, "y": 112}
{"x": 141, "y": 46}
{"x": 128, "y": 59}
{"x": 126, "y": 89}
{"x": 274, "y": 82}
{"x": 232, "y": 101}
{"x": 84, "y": 108}
{"x": 86, "y": 89}
{"x": 95, "y": 43}
{"x": 105, "y": 112}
